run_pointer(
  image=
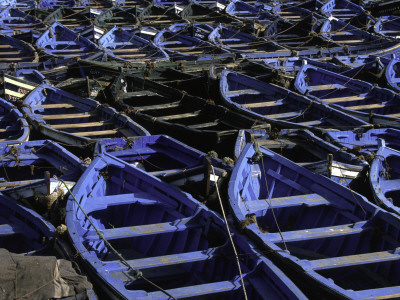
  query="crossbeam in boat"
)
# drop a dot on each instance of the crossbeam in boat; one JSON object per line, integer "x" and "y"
{"x": 242, "y": 92}
{"x": 206, "y": 289}
{"x": 80, "y": 125}
{"x": 161, "y": 261}
{"x": 98, "y": 132}
{"x": 144, "y": 230}
{"x": 136, "y": 94}
{"x": 55, "y": 105}
{"x": 68, "y": 116}
{"x": 264, "y": 204}
{"x": 181, "y": 116}
{"x": 262, "y": 104}
{"x": 322, "y": 87}
{"x": 204, "y": 125}
{"x": 348, "y": 98}
{"x": 315, "y": 233}
{"x": 289, "y": 114}
{"x": 143, "y": 198}
{"x": 392, "y": 292}
{"x": 159, "y": 106}
{"x": 353, "y": 260}
{"x": 367, "y": 106}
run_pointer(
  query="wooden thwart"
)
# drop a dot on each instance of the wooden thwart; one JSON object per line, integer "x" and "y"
{"x": 80, "y": 125}
{"x": 68, "y": 116}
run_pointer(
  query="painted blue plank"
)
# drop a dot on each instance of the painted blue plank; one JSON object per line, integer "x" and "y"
{"x": 161, "y": 261}
{"x": 316, "y": 233}
{"x": 287, "y": 181}
{"x": 390, "y": 185}
{"x": 198, "y": 290}
{"x": 139, "y": 197}
{"x": 382, "y": 293}
{"x": 144, "y": 230}
{"x": 353, "y": 260}
{"x": 263, "y": 204}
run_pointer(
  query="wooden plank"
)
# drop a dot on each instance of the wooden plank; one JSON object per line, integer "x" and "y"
{"x": 394, "y": 115}
{"x": 350, "y": 41}
{"x": 323, "y": 87}
{"x": 353, "y": 260}
{"x": 145, "y": 230}
{"x": 68, "y": 116}
{"x": 180, "y": 116}
{"x": 367, "y": 106}
{"x": 80, "y": 125}
{"x": 94, "y": 133}
{"x": 315, "y": 233}
{"x": 284, "y": 115}
{"x": 161, "y": 261}
{"x": 346, "y": 99}
{"x": 262, "y": 104}
{"x": 243, "y": 92}
{"x": 204, "y": 125}
{"x": 159, "y": 106}
{"x": 20, "y": 84}
{"x": 289, "y": 201}
{"x": 55, "y": 105}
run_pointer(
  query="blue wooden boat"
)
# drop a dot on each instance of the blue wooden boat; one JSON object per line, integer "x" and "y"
{"x": 298, "y": 36}
{"x": 94, "y": 4}
{"x": 93, "y": 33}
{"x": 15, "y": 88}
{"x": 392, "y": 73}
{"x": 74, "y": 120}
{"x": 31, "y": 75}
{"x": 69, "y": 17}
{"x": 388, "y": 26}
{"x": 126, "y": 46}
{"x": 20, "y": 4}
{"x": 14, "y": 50}
{"x": 27, "y": 170}
{"x": 306, "y": 149}
{"x": 158, "y": 16}
{"x": 54, "y": 4}
{"x": 164, "y": 110}
{"x": 342, "y": 9}
{"x": 55, "y": 70}
{"x": 61, "y": 42}
{"x": 13, "y": 126}
{"x": 22, "y": 230}
{"x": 365, "y": 141}
{"x": 165, "y": 235}
{"x": 132, "y": 3}
{"x": 370, "y": 68}
{"x": 331, "y": 240}
{"x": 248, "y": 12}
{"x": 293, "y": 64}
{"x": 116, "y": 16}
{"x": 384, "y": 177}
{"x": 359, "y": 98}
{"x": 278, "y": 105}
{"x": 172, "y": 161}
{"x": 245, "y": 45}
{"x": 298, "y": 12}
{"x": 354, "y": 38}
{"x": 199, "y": 12}
{"x": 19, "y": 21}
{"x": 184, "y": 47}
{"x": 159, "y": 155}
